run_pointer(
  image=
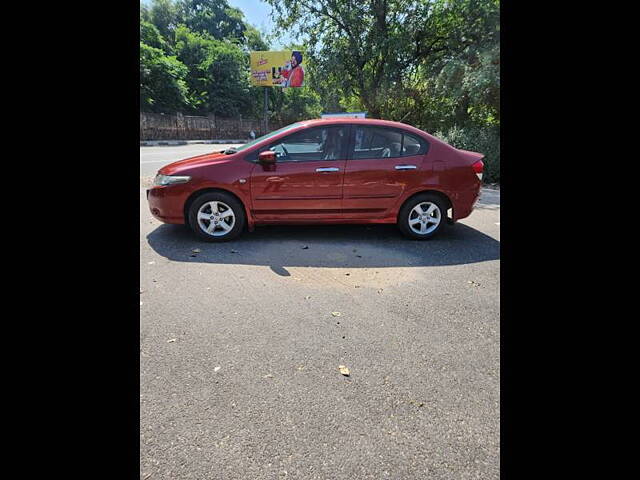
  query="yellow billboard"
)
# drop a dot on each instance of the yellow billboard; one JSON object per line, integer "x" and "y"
{"x": 277, "y": 69}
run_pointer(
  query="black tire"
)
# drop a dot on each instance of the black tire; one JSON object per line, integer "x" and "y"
{"x": 407, "y": 210}
{"x": 228, "y": 200}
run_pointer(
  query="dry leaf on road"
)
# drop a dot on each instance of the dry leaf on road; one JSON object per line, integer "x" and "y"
{"x": 343, "y": 370}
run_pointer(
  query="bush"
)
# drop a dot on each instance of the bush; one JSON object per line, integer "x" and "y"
{"x": 485, "y": 140}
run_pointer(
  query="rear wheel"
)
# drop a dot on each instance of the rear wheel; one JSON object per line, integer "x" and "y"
{"x": 216, "y": 217}
{"x": 423, "y": 216}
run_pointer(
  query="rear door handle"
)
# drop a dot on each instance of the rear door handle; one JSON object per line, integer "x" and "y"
{"x": 328, "y": 169}
{"x": 406, "y": 167}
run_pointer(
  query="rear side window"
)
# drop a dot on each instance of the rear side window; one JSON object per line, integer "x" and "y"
{"x": 380, "y": 142}
{"x": 412, "y": 145}
{"x": 373, "y": 142}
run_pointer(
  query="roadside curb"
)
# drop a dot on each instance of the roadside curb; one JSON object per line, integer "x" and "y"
{"x": 154, "y": 143}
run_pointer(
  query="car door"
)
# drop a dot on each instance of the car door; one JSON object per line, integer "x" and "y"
{"x": 306, "y": 181}
{"x": 381, "y": 165}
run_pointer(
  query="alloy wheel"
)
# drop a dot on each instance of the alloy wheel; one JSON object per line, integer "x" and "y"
{"x": 216, "y": 218}
{"x": 424, "y": 218}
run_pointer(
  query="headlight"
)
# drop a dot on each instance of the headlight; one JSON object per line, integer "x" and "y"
{"x": 163, "y": 180}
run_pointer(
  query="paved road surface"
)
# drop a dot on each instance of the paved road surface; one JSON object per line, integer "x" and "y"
{"x": 239, "y": 350}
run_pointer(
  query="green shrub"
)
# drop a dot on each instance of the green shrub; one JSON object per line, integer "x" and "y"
{"x": 485, "y": 140}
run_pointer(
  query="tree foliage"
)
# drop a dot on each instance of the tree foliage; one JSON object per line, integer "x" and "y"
{"x": 214, "y": 17}
{"x": 164, "y": 14}
{"x": 218, "y": 72}
{"x": 194, "y": 58}
{"x": 162, "y": 81}
{"x": 151, "y": 36}
{"x": 377, "y": 49}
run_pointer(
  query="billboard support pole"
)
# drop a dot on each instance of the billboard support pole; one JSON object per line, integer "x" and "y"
{"x": 266, "y": 110}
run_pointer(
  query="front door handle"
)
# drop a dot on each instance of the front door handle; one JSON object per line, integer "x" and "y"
{"x": 406, "y": 167}
{"x": 328, "y": 169}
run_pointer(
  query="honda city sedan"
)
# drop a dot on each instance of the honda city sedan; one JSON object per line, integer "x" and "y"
{"x": 329, "y": 171}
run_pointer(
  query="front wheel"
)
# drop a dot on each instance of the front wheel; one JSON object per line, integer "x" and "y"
{"x": 216, "y": 217}
{"x": 422, "y": 217}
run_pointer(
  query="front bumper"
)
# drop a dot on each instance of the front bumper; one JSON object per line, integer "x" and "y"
{"x": 166, "y": 203}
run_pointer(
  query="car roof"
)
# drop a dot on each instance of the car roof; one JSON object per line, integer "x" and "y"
{"x": 362, "y": 121}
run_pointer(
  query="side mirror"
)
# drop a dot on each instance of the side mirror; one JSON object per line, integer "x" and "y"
{"x": 267, "y": 157}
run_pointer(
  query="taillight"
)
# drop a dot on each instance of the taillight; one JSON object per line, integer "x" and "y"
{"x": 478, "y": 167}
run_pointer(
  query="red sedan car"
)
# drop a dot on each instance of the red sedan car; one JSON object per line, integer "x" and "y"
{"x": 322, "y": 172}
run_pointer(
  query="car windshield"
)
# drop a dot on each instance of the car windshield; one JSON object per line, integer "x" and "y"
{"x": 230, "y": 151}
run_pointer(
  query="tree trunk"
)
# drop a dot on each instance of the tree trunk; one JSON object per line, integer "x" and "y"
{"x": 461, "y": 113}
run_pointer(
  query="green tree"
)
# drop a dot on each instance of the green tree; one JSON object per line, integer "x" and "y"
{"x": 212, "y": 41}
{"x": 377, "y": 47}
{"x": 218, "y": 72}
{"x": 165, "y": 15}
{"x": 151, "y": 36}
{"x": 214, "y": 17}
{"x": 473, "y": 81}
{"x": 254, "y": 39}
{"x": 162, "y": 81}
{"x": 291, "y": 105}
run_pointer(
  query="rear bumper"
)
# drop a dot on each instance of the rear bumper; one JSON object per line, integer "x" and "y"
{"x": 465, "y": 202}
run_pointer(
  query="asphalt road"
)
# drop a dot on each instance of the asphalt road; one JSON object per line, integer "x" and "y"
{"x": 240, "y": 348}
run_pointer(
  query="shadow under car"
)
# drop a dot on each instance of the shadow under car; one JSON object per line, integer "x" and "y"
{"x": 328, "y": 246}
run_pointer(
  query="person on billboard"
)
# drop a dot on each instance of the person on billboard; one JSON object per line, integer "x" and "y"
{"x": 294, "y": 75}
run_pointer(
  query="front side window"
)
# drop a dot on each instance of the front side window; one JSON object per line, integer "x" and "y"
{"x": 313, "y": 144}
{"x": 380, "y": 142}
